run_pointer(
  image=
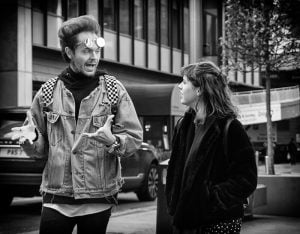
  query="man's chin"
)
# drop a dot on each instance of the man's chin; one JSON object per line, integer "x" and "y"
{"x": 89, "y": 73}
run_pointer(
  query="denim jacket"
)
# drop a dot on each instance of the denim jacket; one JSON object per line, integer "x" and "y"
{"x": 78, "y": 166}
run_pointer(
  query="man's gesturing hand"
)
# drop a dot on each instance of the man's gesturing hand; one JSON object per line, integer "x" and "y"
{"x": 104, "y": 134}
{"x": 26, "y": 132}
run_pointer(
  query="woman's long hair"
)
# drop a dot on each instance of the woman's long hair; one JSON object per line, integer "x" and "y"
{"x": 215, "y": 93}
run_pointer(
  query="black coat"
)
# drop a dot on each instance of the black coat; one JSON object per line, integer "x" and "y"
{"x": 196, "y": 196}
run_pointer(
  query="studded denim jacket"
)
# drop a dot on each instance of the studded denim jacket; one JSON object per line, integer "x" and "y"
{"x": 78, "y": 166}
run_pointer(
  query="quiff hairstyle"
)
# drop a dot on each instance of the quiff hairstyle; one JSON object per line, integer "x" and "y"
{"x": 70, "y": 28}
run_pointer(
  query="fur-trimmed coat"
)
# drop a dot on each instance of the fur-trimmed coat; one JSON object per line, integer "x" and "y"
{"x": 196, "y": 196}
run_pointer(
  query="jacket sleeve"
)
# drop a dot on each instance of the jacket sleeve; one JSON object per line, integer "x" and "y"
{"x": 242, "y": 171}
{"x": 39, "y": 148}
{"x": 127, "y": 125}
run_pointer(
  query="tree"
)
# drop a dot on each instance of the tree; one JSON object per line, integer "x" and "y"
{"x": 258, "y": 36}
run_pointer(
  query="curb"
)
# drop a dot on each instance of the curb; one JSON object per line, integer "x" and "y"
{"x": 131, "y": 211}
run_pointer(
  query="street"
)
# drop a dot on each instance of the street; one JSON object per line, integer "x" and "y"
{"x": 24, "y": 214}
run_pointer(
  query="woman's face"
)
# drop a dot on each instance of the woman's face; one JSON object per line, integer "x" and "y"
{"x": 189, "y": 93}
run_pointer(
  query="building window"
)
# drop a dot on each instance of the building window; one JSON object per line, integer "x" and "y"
{"x": 138, "y": 19}
{"x": 186, "y": 26}
{"x": 124, "y": 17}
{"x": 152, "y": 22}
{"x": 47, "y": 17}
{"x": 210, "y": 28}
{"x": 38, "y": 22}
{"x": 109, "y": 14}
{"x": 54, "y": 21}
{"x": 176, "y": 32}
{"x": 73, "y": 8}
{"x": 210, "y": 35}
{"x": 164, "y": 30}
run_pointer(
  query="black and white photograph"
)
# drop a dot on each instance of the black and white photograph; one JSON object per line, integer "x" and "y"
{"x": 150, "y": 116}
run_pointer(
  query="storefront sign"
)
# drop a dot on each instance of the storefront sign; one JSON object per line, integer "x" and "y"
{"x": 256, "y": 113}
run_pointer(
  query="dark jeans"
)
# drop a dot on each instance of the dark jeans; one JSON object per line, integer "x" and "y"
{"x": 53, "y": 222}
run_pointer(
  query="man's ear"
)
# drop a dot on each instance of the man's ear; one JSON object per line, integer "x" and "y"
{"x": 69, "y": 52}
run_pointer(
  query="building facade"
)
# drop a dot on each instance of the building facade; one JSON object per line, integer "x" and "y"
{"x": 147, "y": 42}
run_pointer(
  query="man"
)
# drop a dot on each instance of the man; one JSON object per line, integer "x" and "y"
{"x": 74, "y": 133}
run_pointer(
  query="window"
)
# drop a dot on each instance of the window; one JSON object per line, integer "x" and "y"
{"x": 54, "y": 21}
{"x": 138, "y": 19}
{"x": 210, "y": 27}
{"x": 124, "y": 17}
{"x": 164, "y": 22}
{"x": 210, "y": 35}
{"x": 156, "y": 132}
{"x": 176, "y": 24}
{"x": 47, "y": 17}
{"x": 152, "y": 21}
{"x": 73, "y": 8}
{"x": 109, "y": 13}
{"x": 38, "y": 22}
{"x": 186, "y": 26}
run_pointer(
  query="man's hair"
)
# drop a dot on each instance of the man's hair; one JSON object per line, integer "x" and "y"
{"x": 213, "y": 86}
{"x": 70, "y": 28}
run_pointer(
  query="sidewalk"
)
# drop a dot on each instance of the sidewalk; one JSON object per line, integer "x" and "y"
{"x": 143, "y": 221}
{"x": 136, "y": 221}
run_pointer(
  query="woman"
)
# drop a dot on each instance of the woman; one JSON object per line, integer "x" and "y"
{"x": 208, "y": 178}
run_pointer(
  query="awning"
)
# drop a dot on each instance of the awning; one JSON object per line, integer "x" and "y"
{"x": 156, "y": 99}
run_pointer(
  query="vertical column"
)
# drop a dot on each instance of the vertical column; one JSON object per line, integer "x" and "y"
{"x": 24, "y": 53}
{"x": 16, "y": 53}
{"x": 196, "y": 30}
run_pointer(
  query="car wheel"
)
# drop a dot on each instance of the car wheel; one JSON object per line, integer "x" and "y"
{"x": 5, "y": 201}
{"x": 148, "y": 192}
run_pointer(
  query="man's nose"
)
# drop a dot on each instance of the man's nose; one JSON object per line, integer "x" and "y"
{"x": 93, "y": 54}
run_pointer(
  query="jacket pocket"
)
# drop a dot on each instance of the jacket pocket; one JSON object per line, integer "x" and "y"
{"x": 54, "y": 128}
{"x": 97, "y": 122}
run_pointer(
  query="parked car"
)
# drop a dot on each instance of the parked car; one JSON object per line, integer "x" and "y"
{"x": 21, "y": 175}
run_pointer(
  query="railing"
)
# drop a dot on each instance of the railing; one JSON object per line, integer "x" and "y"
{"x": 259, "y": 96}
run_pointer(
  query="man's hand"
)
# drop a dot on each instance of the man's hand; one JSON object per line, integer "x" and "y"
{"x": 26, "y": 132}
{"x": 104, "y": 134}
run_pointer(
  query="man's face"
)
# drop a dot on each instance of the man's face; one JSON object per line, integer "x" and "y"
{"x": 85, "y": 59}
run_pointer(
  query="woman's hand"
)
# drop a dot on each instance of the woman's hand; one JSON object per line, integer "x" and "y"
{"x": 25, "y": 133}
{"x": 104, "y": 134}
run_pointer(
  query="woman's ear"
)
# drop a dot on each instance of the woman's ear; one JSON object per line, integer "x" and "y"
{"x": 69, "y": 52}
{"x": 198, "y": 92}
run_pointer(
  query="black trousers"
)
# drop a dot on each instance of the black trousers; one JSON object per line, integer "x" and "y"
{"x": 53, "y": 222}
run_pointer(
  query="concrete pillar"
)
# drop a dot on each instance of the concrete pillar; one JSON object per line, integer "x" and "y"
{"x": 196, "y": 30}
{"x": 16, "y": 53}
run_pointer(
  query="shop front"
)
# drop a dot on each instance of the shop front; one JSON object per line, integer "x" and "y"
{"x": 158, "y": 107}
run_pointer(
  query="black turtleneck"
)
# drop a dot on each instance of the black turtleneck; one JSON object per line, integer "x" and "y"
{"x": 79, "y": 85}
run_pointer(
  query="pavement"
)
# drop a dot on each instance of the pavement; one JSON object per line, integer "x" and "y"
{"x": 143, "y": 220}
